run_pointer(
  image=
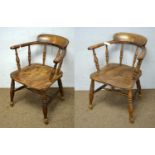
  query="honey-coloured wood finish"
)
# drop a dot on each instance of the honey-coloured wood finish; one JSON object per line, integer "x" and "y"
{"x": 119, "y": 76}
{"x": 38, "y": 77}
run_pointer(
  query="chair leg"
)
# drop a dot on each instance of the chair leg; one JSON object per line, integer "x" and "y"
{"x": 139, "y": 87}
{"x": 12, "y": 92}
{"x": 91, "y": 94}
{"x": 130, "y": 106}
{"x": 44, "y": 108}
{"x": 61, "y": 89}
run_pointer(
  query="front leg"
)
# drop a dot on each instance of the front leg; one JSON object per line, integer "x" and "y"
{"x": 130, "y": 106}
{"x": 91, "y": 94}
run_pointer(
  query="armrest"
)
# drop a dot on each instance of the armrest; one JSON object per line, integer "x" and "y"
{"x": 142, "y": 54}
{"x": 106, "y": 43}
{"x": 96, "y": 46}
{"x": 24, "y": 44}
{"x": 101, "y": 44}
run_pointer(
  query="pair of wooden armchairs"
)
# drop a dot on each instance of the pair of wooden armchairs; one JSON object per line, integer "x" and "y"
{"x": 39, "y": 77}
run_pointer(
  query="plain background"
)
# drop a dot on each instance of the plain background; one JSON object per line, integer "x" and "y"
{"x": 84, "y": 63}
{"x": 77, "y": 52}
{"x": 12, "y": 36}
{"x": 77, "y": 13}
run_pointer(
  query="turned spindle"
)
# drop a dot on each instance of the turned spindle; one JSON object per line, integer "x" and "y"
{"x": 17, "y": 60}
{"x": 44, "y": 54}
{"x": 29, "y": 55}
{"x": 121, "y": 53}
{"x": 96, "y": 61}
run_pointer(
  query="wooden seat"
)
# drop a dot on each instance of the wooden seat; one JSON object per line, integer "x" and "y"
{"x": 36, "y": 76}
{"x": 39, "y": 77}
{"x": 119, "y": 76}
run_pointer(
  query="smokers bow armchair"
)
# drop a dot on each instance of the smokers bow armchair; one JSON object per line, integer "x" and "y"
{"x": 38, "y": 77}
{"x": 119, "y": 76}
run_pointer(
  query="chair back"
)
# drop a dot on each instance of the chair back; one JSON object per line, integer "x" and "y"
{"x": 131, "y": 38}
{"x": 55, "y": 40}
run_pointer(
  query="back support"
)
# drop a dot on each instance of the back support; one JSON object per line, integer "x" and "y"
{"x": 55, "y": 40}
{"x": 136, "y": 39}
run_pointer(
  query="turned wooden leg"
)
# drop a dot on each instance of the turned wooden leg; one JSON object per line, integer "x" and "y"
{"x": 139, "y": 87}
{"x": 12, "y": 92}
{"x": 44, "y": 108}
{"x": 130, "y": 106}
{"x": 61, "y": 89}
{"x": 91, "y": 94}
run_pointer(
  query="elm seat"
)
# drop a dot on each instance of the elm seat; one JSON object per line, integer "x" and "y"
{"x": 36, "y": 76}
{"x": 120, "y": 76}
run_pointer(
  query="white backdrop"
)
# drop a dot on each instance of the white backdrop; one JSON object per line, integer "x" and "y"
{"x": 11, "y": 36}
{"x": 84, "y": 64}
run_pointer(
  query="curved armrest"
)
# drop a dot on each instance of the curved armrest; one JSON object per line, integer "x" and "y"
{"x": 96, "y": 46}
{"x": 142, "y": 54}
{"x": 24, "y": 44}
{"x": 107, "y": 43}
{"x": 102, "y": 44}
{"x": 34, "y": 43}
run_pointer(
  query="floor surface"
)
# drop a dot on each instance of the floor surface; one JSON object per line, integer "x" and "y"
{"x": 27, "y": 112}
{"x": 110, "y": 110}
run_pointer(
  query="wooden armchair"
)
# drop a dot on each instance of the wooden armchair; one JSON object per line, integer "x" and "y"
{"x": 39, "y": 77}
{"x": 119, "y": 76}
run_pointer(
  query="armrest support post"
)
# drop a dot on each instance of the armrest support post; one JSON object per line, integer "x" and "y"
{"x": 17, "y": 60}
{"x": 137, "y": 69}
{"x": 96, "y": 61}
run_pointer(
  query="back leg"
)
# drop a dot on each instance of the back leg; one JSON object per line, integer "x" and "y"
{"x": 12, "y": 92}
{"x": 139, "y": 87}
{"x": 61, "y": 89}
{"x": 44, "y": 107}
